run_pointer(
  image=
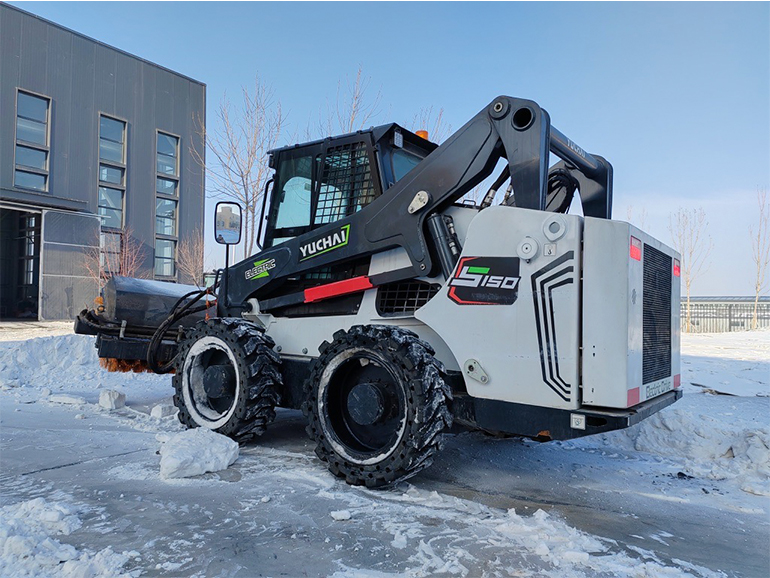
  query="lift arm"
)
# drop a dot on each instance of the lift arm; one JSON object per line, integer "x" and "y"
{"x": 516, "y": 129}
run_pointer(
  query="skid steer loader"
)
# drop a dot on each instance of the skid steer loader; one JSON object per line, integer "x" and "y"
{"x": 385, "y": 309}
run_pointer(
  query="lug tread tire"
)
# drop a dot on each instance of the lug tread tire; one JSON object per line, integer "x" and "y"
{"x": 428, "y": 400}
{"x": 258, "y": 366}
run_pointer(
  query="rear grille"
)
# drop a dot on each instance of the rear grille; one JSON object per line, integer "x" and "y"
{"x": 656, "y": 315}
{"x": 404, "y": 297}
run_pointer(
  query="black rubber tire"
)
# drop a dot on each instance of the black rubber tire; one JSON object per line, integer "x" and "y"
{"x": 426, "y": 394}
{"x": 257, "y": 366}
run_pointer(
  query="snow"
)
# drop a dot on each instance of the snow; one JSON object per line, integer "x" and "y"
{"x": 163, "y": 410}
{"x": 684, "y": 493}
{"x": 194, "y": 452}
{"x": 29, "y": 548}
{"x": 111, "y": 399}
{"x": 729, "y": 363}
{"x": 341, "y": 515}
{"x": 714, "y": 432}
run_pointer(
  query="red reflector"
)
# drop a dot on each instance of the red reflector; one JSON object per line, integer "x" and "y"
{"x": 677, "y": 380}
{"x": 633, "y": 397}
{"x": 636, "y": 249}
{"x": 677, "y": 268}
{"x": 345, "y": 287}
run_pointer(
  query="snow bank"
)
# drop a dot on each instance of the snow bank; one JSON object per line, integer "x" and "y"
{"x": 28, "y": 549}
{"x": 194, "y": 452}
{"x": 46, "y": 367}
{"x": 47, "y": 361}
{"x": 709, "y": 443}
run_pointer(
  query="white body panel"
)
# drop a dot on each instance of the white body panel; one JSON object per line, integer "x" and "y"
{"x": 573, "y": 337}
{"x": 529, "y": 350}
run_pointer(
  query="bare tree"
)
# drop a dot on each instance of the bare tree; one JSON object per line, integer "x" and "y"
{"x": 437, "y": 128}
{"x": 353, "y": 109}
{"x": 760, "y": 249}
{"x": 238, "y": 165}
{"x": 190, "y": 255}
{"x": 688, "y": 232}
{"x": 115, "y": 253}
{"x": 641, "y": 221}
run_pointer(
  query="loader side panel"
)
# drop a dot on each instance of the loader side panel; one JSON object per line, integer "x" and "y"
{"x": 512, "y": 307}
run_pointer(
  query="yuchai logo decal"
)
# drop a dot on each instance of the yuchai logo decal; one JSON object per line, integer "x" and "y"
{"x": 325, "y": 244}
{"x": 485, "y": 281}
{"x": 260, "y": 269}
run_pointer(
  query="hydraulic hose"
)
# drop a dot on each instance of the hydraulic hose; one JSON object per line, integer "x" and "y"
{"x": 176, "y": 314}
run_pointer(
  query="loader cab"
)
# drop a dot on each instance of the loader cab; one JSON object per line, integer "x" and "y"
{"x": 323, "y": 181}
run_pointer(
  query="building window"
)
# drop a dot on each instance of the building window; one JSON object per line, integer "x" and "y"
{"x": 112, "y": 139}
{"x": 168, "y": 154}
{"x": 165, "y": 257}
{"x": 112, "y": 172}
{"x": 31, "y": 164}
{"x": 166, "y": 203}
{"x": 165, "y": 217}
{"x": 111, "y": 254}
{"x": 111, "y": 207}
{"x": 112, "y": 191}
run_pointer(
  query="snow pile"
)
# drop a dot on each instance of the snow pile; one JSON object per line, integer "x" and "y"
{"x": 27, "y": 547}
{"x": 194, "y": 452}
{"x": 65, "y": 369}
{"x": 48, "y": 361}
{"x": 711, "y": 445}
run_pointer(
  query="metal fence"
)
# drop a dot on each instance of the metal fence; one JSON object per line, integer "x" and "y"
{"x": 723, "y": 316}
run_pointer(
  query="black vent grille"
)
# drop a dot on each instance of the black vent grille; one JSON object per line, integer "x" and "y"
{"x": 656, "y": 315}
{"x": 404, "y": 297}
{"x": 346, "y": 183}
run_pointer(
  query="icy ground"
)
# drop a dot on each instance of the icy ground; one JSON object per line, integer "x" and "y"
{"x": 685, "y": 493}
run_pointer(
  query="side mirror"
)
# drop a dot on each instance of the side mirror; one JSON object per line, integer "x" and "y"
{"x": 227, "y": 223}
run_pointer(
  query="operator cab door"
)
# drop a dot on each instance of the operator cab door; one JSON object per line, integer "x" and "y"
{"x": 316, "y": 185}
{"x": 319, "y": 184}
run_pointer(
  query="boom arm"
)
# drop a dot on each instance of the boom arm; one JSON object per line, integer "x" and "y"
{"x": 514, "y": 128}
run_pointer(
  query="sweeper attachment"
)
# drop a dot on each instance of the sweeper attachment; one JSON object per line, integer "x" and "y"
{"x": 386, "y": 309}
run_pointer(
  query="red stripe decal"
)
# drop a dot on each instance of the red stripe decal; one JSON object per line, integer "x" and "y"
{"x": 677, "y": 380}
{"x": 338, "y": 288}
{"x": 633, "y": 397}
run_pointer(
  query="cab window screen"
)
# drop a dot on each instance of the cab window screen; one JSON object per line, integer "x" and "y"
{"x": 346, "y": 183}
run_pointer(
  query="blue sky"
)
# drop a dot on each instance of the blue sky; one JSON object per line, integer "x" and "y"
{"x": 675, "y": 95}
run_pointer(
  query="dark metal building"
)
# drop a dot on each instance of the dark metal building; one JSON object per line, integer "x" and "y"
{"x": 97, "y": 171}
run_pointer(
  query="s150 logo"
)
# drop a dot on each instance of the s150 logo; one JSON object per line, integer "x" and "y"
{"x": 485, "y": 281}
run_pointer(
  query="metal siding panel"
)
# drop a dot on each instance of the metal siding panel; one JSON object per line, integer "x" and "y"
{"x": 105, "y": 86}
{"x": 140, "y": 199}
{"x": 10, "y": 50}
{"x": 194, "y": 194}
{"x": 34, "y": 55}
{"x": 84, "y": 125}
{"x": 60, "y": 91}
{"x": 164, "y": 101}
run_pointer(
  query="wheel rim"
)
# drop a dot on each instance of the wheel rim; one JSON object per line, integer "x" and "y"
{"x": 362, "y": 406}
{"x": 211, "y": 382}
